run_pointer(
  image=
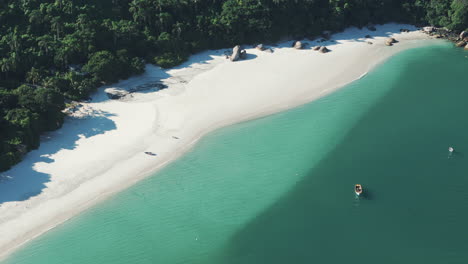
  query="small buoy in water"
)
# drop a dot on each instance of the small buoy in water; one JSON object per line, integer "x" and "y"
{"x": 450, "y": 149}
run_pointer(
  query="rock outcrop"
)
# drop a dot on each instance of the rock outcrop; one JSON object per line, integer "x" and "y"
{"x": 323, "y": 49}
{"x": 114, "y": 93}
{"x": 461, "y": 44}
{"x": 460, "y": 39}
{"x": 463, "y": 34}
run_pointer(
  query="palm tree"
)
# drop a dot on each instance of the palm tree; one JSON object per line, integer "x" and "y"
{"x": 33, "y": 76}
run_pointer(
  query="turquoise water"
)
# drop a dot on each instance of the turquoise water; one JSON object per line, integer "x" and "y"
{"x": 280, "y": 189}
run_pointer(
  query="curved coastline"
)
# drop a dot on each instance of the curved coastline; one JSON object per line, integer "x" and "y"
{"x": 105, "y": 163}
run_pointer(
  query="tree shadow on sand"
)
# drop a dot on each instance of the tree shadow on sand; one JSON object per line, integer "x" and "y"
{"x": 24, "y": 180}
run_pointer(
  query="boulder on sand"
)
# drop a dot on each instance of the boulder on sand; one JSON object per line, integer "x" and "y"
{"x": 316, "y": 47}
{"x": 298, "y": 45}
{"x": 235, "y": 53}
{"x": 260, "y": 47}
{"x": 243, "y": 54}
{"x": 390, "y": 41}
{"x": 114, "y": 93}
{"x": 323, "y": 49}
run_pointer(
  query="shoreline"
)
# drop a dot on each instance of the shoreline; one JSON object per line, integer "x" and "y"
{"x": 204, "y": 94}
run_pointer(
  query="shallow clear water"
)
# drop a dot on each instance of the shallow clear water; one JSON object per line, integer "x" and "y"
{"x": 280, "y": 189}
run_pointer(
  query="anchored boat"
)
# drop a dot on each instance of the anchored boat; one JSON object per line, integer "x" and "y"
{"x": 358, "y": 189}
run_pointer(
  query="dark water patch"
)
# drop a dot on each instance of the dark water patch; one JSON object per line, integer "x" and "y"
{"x": 414, "y": 207}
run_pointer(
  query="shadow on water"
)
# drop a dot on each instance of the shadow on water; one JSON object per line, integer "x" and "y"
{"x": 24, "y": 180}
{"x": 319, "y": 222}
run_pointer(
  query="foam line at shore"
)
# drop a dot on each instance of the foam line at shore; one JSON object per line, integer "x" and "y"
{"x": 100, "y": 149}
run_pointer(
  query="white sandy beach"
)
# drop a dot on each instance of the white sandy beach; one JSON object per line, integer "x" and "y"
{"x": 100, "y": 149}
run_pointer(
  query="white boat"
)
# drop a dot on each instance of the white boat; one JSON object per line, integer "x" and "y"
{"x": 358, "y": 189}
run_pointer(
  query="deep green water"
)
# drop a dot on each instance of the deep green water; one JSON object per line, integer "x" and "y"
{"x": 280, "y": 189}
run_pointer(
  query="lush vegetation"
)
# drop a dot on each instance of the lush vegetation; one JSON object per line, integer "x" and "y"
{"x": 57, "y": 50}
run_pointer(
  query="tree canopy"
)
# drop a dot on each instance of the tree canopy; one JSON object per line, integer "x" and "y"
{"x": 57, "y": 50}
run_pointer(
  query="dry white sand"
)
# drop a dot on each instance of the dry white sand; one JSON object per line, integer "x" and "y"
{"x": 99, "y": 150}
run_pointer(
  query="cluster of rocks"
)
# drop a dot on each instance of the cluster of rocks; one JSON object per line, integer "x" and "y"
{"x": 321, "y": 49}
{"x": 459, "y": 38}
{"x": 261, "y": 47}
{"x": 300, "y": 45}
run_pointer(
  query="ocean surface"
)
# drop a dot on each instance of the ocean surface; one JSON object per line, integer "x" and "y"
{"x": 280, "y": 189}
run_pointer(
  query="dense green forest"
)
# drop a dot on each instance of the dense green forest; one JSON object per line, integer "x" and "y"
{"x": 52, "y": 51}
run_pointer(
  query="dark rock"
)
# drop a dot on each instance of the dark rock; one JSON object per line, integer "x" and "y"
{"x": 369, "y": 42}
{"x": 323, "y": 49}
{"x": 404, "y": 30}
{"x": 368, "y": 36}
{"x": 316, "y": 47}
{"x": 114, "y": 93}
{"x": 243, "y": 54}
{"x": 148, "y": 86}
